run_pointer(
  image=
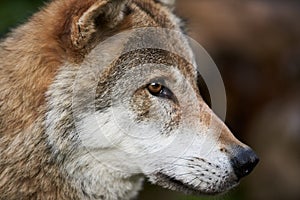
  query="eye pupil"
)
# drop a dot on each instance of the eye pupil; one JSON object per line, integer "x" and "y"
{"x": 155, "y": 88}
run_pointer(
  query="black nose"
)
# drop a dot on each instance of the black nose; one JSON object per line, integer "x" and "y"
{"x": 243, "y": 161}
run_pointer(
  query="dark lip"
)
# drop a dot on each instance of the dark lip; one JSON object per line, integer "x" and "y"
{"x": 183, "y": 187}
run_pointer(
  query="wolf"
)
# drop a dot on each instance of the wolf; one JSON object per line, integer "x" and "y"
{"x": 87, "y": 112}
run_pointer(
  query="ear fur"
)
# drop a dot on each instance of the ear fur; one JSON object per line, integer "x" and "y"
{"x": 168, "y": 3}
{"x": 102, "y": 14}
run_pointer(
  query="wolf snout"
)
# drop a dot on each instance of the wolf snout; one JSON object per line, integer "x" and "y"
{"x": 243, "y": 161}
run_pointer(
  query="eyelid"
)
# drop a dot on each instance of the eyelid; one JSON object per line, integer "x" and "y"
{"x": 166, "y": 93}
{"x": 159, "y": 80}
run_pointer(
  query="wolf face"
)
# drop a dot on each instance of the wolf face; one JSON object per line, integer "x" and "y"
{"x": 125, "y": 104}
{"x": 138, "y": 110}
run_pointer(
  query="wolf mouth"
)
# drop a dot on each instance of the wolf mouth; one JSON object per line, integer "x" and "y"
{"x": 175, "y": 184}
{"x": 178, "y": 185}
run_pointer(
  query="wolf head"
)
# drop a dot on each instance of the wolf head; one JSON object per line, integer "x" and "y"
{"x": 129, "y": 105}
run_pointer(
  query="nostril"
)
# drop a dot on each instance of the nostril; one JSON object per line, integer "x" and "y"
{"x": 244, "y": 162}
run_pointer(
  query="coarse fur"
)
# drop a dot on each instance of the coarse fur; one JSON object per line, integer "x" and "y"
{"x": 70, "y": 130}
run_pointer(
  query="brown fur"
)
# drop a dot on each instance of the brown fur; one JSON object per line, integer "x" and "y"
{"x": 62, "y": 34}
{"x": 30, "y": 57}
{"x": 36, "y": 50}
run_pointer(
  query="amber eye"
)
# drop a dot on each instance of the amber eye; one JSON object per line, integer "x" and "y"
{"x": 155, "y": 88}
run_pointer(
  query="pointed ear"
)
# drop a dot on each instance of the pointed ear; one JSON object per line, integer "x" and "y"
{"x": 99, "y": 16}
{"x": 168, "y": 3}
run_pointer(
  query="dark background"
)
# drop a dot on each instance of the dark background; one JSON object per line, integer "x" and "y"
{"x": 256, "y": 45}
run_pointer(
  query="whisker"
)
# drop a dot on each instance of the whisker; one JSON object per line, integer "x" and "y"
{"x": 178, "y": 175}
{"x": 181, "y": 158}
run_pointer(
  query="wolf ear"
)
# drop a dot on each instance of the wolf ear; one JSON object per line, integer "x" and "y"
{"x": 99, "y": 16}
{"x": 168, "y": 3}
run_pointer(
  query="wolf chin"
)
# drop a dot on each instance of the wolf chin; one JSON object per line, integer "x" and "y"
{"x": 87, "y": 112}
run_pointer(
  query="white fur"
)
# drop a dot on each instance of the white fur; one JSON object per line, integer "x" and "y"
{"x": 114, "y": 150}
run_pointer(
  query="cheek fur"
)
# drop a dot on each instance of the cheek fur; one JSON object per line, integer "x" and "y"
{"x": 155, "y": 109}
{"x": 141, "y": 105}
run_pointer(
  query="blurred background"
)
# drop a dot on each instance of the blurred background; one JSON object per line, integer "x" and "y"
{"x": 256, "y": 45}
